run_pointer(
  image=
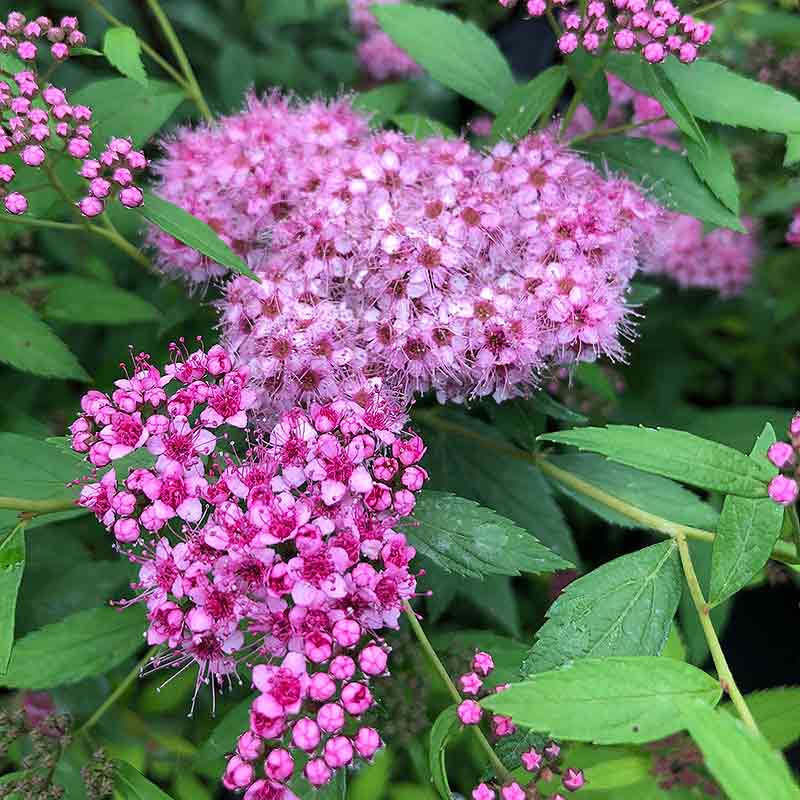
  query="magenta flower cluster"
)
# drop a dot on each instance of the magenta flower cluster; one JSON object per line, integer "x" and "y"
{"x": 39, "y": 124}
{"x": 281, "y": 549}
{"x": 439, "y": 267}
{"x": 793, "y": 234}
{"x": 380, "y": 57}
{"x": 784, "y": 488}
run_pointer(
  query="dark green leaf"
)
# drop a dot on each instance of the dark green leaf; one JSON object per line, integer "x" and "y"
{"x": 36, "y": 470}
{"x": 714, "y": 165}
{"x": 12, "y": 565}
{"x": 662, "y": 89}
{"x": 673, "y": 454}
{"x": 422, "y": 127}
{"x": 132, "y": 785}
{"x": 641, "y": 293}
{"x": 743, "y": 763}
{"x": 792, "y": 149}
{"x": 28, "y": 344}
{"x": 527, "y": 103}
{"x": 746, "y": 534}
{"x": 463, "y": 537}
{"x": 447, "y": 724}
{"x": 507, "y": 654}
{"x": 495, "y": 599}
{"x": 192, "y": 232}
{"x": 552, "y": 408}
{"x": 591, "y": 79}
{"x": 592, "y": 376}
{"x": 383, "y": 101}
{"x": 84, "y": 644}
{"x": 456, "y": 53}
{"x": 623, "y": 608}
{"x": 124, "y": 51}
{"x": 778, "y": 198}
{"x": 607, "y": 700}
{"x": 777, "y": 714}
{"x": 665, "y": 174}
{"x": 223, "y": 737}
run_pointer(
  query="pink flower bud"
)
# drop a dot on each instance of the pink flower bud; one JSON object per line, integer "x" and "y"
{"x": 552, "y": 751}
{"x": 321, "y": 687}
{"x": 531, "y": 760}
{"x": 249, "y": 746}
{"x": 512, "y": 792}
{"x": 687, "y": 53}
{"x": 537, "y": 7}
{"x": 218, "y": 361}
{"x": 373, "y": 660}
{"x": 279, "y": 764}
{"x": 655, "y": 52}
{"x": 7, "y": 173}
{"x": 317, "y": 772}
{"x": 342, "y": 668}
{"x": 330, "y": 718}
{"x": 404, "y": 502}
{"x": 482, "y": 663}
{"x": 414, "y": 478}
{"x": 100, "y": 187}
{"x": 783, "y": 490}
{"x": 132, "y": 197}
{"x": 59, "y": 51}
{"x": 33, "y": 155}
{"x": 90, "y": 169}
{"x": 624, "y": 39}
{"x": 469, "y": 712}
{"x": 26, "y": 51}
{"x": 238, "y": 774}
{"x": 91, "y": 206}
{"x": 568, "y": 43}
{"x": 122, "y": 176}
{"x": 16, "y": 203}
{"x": 502, "y": 725}
{"x": 126, "y": 530}
{"x": 781, "y": 454}
{"x": 573, "y": 779}
{"x": 483, "y": 792}
{"x": 305, "y": 734}
{"x": 470, "y": 683}
{"x": 367, "y": 742}
{"x": 356, "y": 699}
{"x": 53, "y": 96}
{"x": 338, "y": 752}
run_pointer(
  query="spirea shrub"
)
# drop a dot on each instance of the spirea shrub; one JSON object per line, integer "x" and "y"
{"x": 369, "y": 509}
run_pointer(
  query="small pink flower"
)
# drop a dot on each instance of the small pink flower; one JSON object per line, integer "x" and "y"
{"x": 16, "y": 203}
{"x": 373, "y": 660}
{"x": 469, "y": 712}
{"x": 573, "y": 779}
{"x": 781, "y": 454}
{"x": 531, "y": 760}
{"x": 483, "y": 792}
{"x": 338, "y": 752}
{"x": 330, "y": 718}
{"x": 502, "y": 725}
{"x": 470, "y": 683}
{"x": 783, "y": 490}
{"x": 91, "y": 207}
{"x": 306, "y": 734}
{"x": 238, "y": 774}
{"x": 512, "y": 792}
{"x": 367, "y": 742}
{"x": 279, "y": 764}
{"x": 482, "y": 663}
{"x": 356, "y": 698}
{"x": 317, "y": 772}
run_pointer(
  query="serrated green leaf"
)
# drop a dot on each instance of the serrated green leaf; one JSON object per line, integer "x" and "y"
{"x": 662, "y": 89}
{"x": 616, "y": 700}
{"x": 592, "y": 81}
{"x": 80, "y": 300}
{"x": 746, "y": 534}
{"x": 792, "y": 149}
{"x": 673, "y": 454}
{"x": 28, "y": 344}
{"x": 446, "y": 725}
{"x": 84, "y": 644}
{"x": 527, "y": 103}
{"x": 421, "y": 127}
{"x": 132, "y": 785}
{"x": 650, "y": 493}
{"x": 36, "y": 470}
{"x": 777, "y": 714}
{"x": 454, "y": 52}
{"x": 742, "y": 762}
{"x": 664, "y": 174}
{"x": 192, "y": 232}
{"x": 623, "y": 608}
{"x": 463, "y": 537}
{"x": 123, "y": 50}
{"x": 12, "y": 566}
{"x": 714, "y": 165}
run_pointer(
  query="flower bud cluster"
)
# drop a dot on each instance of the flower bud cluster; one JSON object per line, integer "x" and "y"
{"x": 784, "y": 488}
{"x": 39, "y": 124}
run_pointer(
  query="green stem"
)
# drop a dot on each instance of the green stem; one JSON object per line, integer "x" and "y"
{"x": 182, "y": 59}
{"x": 720, "y": 662}
{"x": 783, "y": 551}
{"x": 35, "y": 506}
{"x": 117, "y": 693}
{"x": 502, "y": 773}
{"x": 121, "y": 243}
{"x": 698, "y": 12}
{"x": 556, "y": 28}
{"x": 32, "y": 222}
{"x": 598, "y": 64}
{"x": 618, "y": 129}
{"x": 794, "y": 522}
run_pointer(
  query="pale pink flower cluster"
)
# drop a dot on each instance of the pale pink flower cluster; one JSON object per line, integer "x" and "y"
{"x": 426, "y": 262}
{"x": 288, "y": 554}
{"x": 380, "y": 57}
{"x": 543, "y": 766}
{"x": 784, "y": 488}
{"x": 38, "y": 122}
{"x": 655, "y": 28}
{"x": 793, "y": 234}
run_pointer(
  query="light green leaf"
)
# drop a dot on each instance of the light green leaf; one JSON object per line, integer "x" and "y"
{"x": 777, "y": 714}
{"x": 28, "y": 344}
{"x": 527, "y": 103}
{"x": 714, "y": 165}
{"x": 746, "y": 534}
{"x": 84, "y": 644}
{"x": 623, "y": 608}
{"x": 792, "y": 149}
{"x": 662, "y": 89}
{"x": 80, "y": 300}
{"x": 662, "y": 172}
{"x": 132, "y": 785}
{"x": 673, "y": 454}
{"x": 445, "y": 727}
{"x": 454, "y": 52}
{"x": 123, "y": 50}
{"x": 12, "y": 565}
{"x": 192, "y": 232}
{"x": 616, "y": 700}
{"x": 650, "y": 493}
{"x": 383, "y": 101}
{"x": 421, "y": 127}
{"x": 674, "y": 648}
{"x": 463, "y": 537}
{"x": 743, "y": 763}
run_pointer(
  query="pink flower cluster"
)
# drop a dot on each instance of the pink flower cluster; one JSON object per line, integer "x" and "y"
{"x": 655, "y": 28}
{"x": 793, "y": 234}
{"x": 38, "y": 123}
{"x": 784, "y": 488}
{"x": 381, "y": 58}
{"x": 288, "y": 555}
{"x": 439, "y": 267}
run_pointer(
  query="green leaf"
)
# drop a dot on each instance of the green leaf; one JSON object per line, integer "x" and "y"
{"x": 674, "y": 648}
{"x": 650, "y": 493}
{"x": 746, "y": 534}
{"x": 507, "y": 653}
{"x": 673, "y": 454}
{"x": 456, "y": 53}
{"x": 463, "y": 537}
{"x": 792, "y": 149}
{"x": 527, "y": 103}
{"x": 12, "y": 565}
{"x": 28, "y": 344}
{"x": 552, "y": 408}
{"x": 192, "y": 232}
{"x": 446, "y": 726}
{"x": 777, "y": 714}
{"x": 584, "y": 71}
{"x": 421, "y": 127}
{"x": 662, "y": 89}
{"x": 132, "y": 785}
{"x": 123, "y": 107}
{"x": 223, "y": 737}
{"x": 615, "y": 700}
{"x": 592, "y": 376}
{"x": 743, "y": 763}
{"x": 714, "y": 165}
{"x": 494, "y": 597}
{"x": 84, "y": 644}
{"x": 665, "y": 174}
{"x": 640, "y": 293}
{"x": 80, "y": 300}
{"x": 383, "y": 101}
{"x": 124, "y": 51}
{"x": 623, "y": 608}
{"x": 778, "y": 198}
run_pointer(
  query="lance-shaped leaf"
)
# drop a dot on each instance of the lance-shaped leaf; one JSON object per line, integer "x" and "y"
{"x": 463, "y": 537}
{"x": 132, "y": 785}
{"x": 124, "y": 51}
{"x": 12, "y": 565}
{"x": 714, "y": 165}
{"x": 446, "y": 726}
{"x": 662, "y": 89}
{"x": 421, "y": 127}
{"x": 777, "y": 714}
{"x": 624, "y": 608}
